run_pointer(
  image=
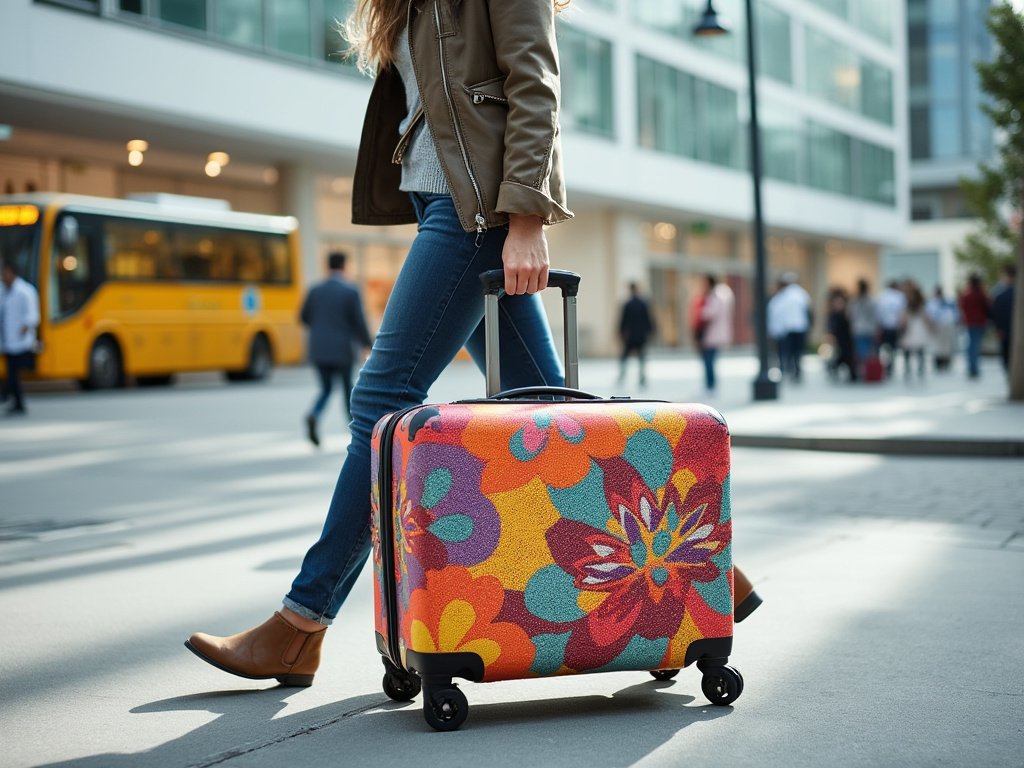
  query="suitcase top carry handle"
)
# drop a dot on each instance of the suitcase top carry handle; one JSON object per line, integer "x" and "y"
{"x": 568, "y": 282}
{"x": 569, "y": 392}
{"x": 494, "y": 287}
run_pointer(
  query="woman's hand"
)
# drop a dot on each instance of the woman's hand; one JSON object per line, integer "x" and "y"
{"x": 525, "y": 255}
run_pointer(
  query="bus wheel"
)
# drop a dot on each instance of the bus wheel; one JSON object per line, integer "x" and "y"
{"x": 260, "y": 362}
{"x": 105, "y": 370}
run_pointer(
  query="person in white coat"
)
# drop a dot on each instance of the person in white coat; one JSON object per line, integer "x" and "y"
{"x": 717, "y": 324}
{"x": 790, "y": 310}
{"x": 19, "y": 318}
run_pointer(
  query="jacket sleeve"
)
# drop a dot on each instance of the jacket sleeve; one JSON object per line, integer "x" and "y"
{"x": 526, "y": 51}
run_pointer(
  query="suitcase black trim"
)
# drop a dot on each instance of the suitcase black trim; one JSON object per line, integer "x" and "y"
{"x": 468, "y": 666}
{"x": 386, "y": 527}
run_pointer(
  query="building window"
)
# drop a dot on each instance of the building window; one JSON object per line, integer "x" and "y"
{"x": 874, "y": 17}
{"x": 290, "y": 26}
{"x": 836, "y": 74}
{"x": 587, "y": 99}
{"x": 684, "y": 115}
{"x": 184, "y": 13}
{"x": 828, "y": 159}
{"x": 782, "y": 137}
{"x": 774, "y": 43}
{"x": 875, "y": 178}
{"x": 678, "y": 17}
{"x": 240, "y": 22}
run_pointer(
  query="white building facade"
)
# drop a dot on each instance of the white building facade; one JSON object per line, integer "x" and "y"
{"x": 654, "y": 131}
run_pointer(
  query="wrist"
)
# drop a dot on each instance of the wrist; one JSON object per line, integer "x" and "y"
{"x": 525, "y": 222}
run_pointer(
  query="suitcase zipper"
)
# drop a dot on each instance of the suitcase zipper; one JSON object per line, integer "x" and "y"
{"x": 386, "y": 526}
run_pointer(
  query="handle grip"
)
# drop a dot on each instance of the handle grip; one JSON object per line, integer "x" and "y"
{"x": 567, "y": 392}
{"x": 568, "y": 282}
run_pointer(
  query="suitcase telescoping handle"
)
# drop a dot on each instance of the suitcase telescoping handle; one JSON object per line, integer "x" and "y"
{"x": 494, "y": 287}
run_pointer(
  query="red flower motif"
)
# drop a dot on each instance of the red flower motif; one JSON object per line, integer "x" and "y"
{"x": 655, "y": 546}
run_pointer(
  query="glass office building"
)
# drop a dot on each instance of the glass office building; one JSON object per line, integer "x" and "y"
{"x": 949, "y": 134}
{"x": 655, "y": 130}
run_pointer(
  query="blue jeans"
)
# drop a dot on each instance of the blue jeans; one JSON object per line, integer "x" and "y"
{"x": 435, "y": 308}
{"x": 709, "y": 354}
{"x": 974, "y": 337}
{"x": 864, "y": 345}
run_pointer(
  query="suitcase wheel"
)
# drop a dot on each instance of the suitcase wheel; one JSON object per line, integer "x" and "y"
{"x": 722, "y": 685}
{"x": 445, "y": 708}
{"x": 664, "y": 674}
{"x": 400, "y": 686}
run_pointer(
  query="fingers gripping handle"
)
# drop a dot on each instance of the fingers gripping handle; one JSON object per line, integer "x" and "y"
{"x": 568, "y": 282}
{"x": 493, "y": 283}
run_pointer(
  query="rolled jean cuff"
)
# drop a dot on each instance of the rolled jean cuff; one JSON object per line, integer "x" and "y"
{"x": 305, "y": 613}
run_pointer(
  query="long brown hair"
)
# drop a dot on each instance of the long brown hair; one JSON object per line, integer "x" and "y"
{"x": 374, "y": 26}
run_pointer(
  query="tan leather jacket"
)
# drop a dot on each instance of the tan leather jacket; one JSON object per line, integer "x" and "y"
{"x": 487, "y": 72}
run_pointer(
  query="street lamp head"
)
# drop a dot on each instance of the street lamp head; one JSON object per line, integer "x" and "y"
{"x": 710, "y": 25}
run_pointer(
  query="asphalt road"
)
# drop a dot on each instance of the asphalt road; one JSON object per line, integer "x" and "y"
{"x": 891, "y": 633}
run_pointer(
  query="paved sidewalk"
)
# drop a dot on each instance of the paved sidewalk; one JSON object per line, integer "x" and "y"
{"x": 890, "y": 633}
{"x": 940, "y": 415}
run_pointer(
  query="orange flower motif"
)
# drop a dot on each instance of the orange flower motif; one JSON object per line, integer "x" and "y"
{"x": 455, "y": 613}
{"x": 551, "y": 442}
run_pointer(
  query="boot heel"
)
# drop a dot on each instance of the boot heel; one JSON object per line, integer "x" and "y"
{"x": 750, "y": 604}
{"x": 299, "y": 681}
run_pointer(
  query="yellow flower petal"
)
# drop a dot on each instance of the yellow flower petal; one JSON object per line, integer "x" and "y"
{"x": 488, "y": 650}
{"x": 420, "y": 638}
{"x": 457, "y": 619}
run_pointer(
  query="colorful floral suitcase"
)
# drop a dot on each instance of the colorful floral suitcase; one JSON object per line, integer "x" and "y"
{"x": 521, "y": 536}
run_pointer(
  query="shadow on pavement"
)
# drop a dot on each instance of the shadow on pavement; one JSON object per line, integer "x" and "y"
{"x": 370, "y": 729}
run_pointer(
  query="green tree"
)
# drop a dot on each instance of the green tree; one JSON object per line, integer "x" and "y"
{"x": 997, "y": 195}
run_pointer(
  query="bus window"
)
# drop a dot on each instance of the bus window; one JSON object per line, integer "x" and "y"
{"x": 137, "y": 250}
{"x": 19, "y": 237}
{"x": 74, "y": 270}
{"x": 279, "y": 261}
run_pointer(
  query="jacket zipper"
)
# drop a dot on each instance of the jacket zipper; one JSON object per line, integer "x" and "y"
{"x": 406, "y": 138}
{"x": 481, "y": 222}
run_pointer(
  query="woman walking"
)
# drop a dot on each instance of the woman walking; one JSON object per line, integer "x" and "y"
{"x": 461, "y": 136}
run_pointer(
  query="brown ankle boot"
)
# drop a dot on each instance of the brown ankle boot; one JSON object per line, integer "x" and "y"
{"x": 744, "y": 599}
{"x": 273, "y": 649}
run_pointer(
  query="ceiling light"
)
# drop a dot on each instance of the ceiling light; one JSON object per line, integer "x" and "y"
{"x": 135, "y": 158}
{"x": 138, "y": 145}
{"x": 220, "y": 158}
{"x": 212, "y": 169}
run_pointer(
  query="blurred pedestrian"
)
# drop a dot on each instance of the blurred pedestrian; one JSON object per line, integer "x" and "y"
{"x": 840, "y": 328}
{"x": 333, "y": 312}
{"x": 19, "y": 318}
{"x": 1002, "y": 311}
{"x": 792, "y": 319}
{"x": 916, "y": 335}
{"x": 773, "y": 324}
{"x": 974, "y": 311}
{"x": 717, "y": 314}
{"x": 636, "y": 327}
{"x": 863, "y": 314}
{"x": 944, "y": 317}
{"x": 891, "y": 305}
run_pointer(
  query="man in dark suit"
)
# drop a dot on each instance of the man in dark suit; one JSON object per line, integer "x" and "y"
{"x": 333, "y": 312}
{"x": 636, "y": 326}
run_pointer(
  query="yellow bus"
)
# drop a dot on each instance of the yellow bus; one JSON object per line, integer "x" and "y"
{"x": 147, "y": 289}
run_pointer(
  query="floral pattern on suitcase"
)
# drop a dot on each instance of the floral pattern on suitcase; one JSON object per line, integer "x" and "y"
{"x": 560, "y": 537}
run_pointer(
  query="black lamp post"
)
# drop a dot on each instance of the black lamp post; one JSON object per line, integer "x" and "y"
{"x": 765, "y": 387}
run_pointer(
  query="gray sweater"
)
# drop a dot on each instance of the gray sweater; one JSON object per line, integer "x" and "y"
{"x": 421, "y": 170}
